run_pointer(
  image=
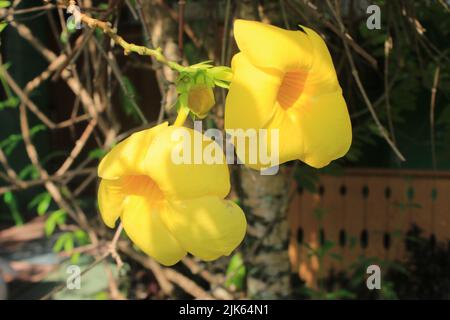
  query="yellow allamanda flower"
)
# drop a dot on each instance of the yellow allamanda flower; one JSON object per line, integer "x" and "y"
{"x": 286, "y": 80}
{"x": 169, "y": 209}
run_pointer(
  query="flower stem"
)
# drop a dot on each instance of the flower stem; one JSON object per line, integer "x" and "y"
{"x": 128, "y": 47}
{"x": 181, "y": 118}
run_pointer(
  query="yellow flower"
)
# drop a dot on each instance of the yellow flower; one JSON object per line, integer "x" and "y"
{"x": 201, "y": 100}
{"x": 286, "y": 80}
{"x": 168, "y": 209}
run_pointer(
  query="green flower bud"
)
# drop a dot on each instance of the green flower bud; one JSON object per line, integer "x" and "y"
{"x": 201, "y": 100}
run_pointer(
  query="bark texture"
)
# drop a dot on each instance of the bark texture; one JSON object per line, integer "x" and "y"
{"x": 162, "y": 30}
{"x": 265, "y": 200}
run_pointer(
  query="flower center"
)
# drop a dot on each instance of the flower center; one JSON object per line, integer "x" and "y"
{"x": 140, "y": 185}
{"x": 291, "y": 88}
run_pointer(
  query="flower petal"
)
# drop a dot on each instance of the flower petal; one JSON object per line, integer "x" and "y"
{"x": 291, "y": 140}
{"x": 142, "y": 223}
{"x": 110, "y": 200}
{"x": 272, "y": 47}
{"x": 250, "y": 102}
{"x": 325, "y": 128}
{"x": 182, "y": 179}
{"x": 317, "y": 130}
{"x": 322, "y": 76}
{"x": 127, "y": 157}
{"x": 207, "y": 227}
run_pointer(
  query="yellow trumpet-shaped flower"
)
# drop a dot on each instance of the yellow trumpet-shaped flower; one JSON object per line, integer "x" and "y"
{"x": 169, "y": 209}
{"x": 286, "y": 80}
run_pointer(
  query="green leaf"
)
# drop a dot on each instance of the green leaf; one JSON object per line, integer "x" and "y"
{"x": 71, "y": 25}
{"x": 97, "y": 153}
{"x": 3, "y": 25}
{"x": 11, "y": 202}
{"x": 56, "y": 218}
{"x": 184, "y": 83}
{"x": 5, "y": 4}
{"x": 75, "y": 258}
{"x": 309, "y": 292}
{"x": 221, "y": 73}
{"x": 29, "y": 171}
{"x": 222, "y": 84}
{"x": 81, "y": 236}
{"x": 340, "y": 294}
{"x": 42, "y": 202}
{"x": 11, "y": 102}
{"x": 102, "y": 295}
{"x": 10, "y": 143}
{"x": 69, "y": 243}
{"x": 59, "y": 244}
{"x": 200, "y": 66}
{"x": 235, "y": 274}
{"x": 64, "y": 37}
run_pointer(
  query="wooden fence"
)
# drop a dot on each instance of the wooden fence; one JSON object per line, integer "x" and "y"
{"x": 365, "y": 213}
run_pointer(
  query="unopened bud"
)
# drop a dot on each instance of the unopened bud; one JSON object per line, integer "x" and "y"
{"x": 201, "y": 100}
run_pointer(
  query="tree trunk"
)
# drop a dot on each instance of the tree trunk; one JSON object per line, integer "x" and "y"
{"x": 265, "y": 200}
{"x": 161, "y": 29}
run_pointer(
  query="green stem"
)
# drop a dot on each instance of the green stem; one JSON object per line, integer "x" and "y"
{"x": 128, "y": 47}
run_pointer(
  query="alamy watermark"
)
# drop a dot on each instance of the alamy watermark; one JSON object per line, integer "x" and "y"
{"x": 374, "y": 19}
{"x": 252, "y": 146}
{"x": 374, "y": 279}
{"x": 73, "y": 281}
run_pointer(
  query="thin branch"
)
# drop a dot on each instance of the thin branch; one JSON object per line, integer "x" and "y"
{"x": 79, "y": 145}
{"x": 284, "y": 14}
{"x": 336, "y": 30}
{"x": 181, "y": 7}
{"x": 432, "y": 120}
{"x": 23, "y": 185}
{"x": 363, "y": 92}
{"x": 63, "y": 285}
{"x": 118, "y": 74}
{"x": 387, "y": 50}
{"x": 168, "y": 274}
{"x": 113, "y": 246}
{"x": 128, "y": 47}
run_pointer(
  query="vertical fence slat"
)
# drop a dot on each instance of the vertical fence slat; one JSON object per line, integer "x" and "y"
{"x": 422, "y": 205}
{"x": 309, "y": 265}
{"x": 353, "y": 219}
{"x": 398, "y": 217}
{"x": 442, "y": 210}
{"x": 376, "y": 216}
{"x": 332, "y": 203}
